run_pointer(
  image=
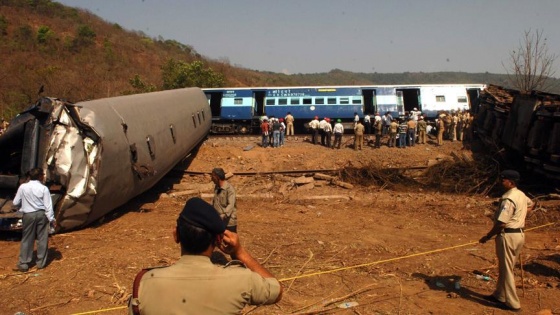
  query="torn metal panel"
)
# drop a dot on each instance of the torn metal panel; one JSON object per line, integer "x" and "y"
{"x": 99, "y": 154}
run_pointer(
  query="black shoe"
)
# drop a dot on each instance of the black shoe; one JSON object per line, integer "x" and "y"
{"x": 20, "y": 269}
{"x": 504, "y": 307}
{"x": 501, "y": 305}
{"x": 491, "y": 298}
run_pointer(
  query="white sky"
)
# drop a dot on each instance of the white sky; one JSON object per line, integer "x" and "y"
{"x": 311, "y": 36}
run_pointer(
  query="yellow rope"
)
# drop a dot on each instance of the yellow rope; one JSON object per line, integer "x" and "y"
{"x": 103, "y": 310}
{"x": 394, "y": 259}
{"x": 345, "y": 268}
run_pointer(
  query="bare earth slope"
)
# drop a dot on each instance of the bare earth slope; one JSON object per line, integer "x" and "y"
{"x": 393, "y": 249}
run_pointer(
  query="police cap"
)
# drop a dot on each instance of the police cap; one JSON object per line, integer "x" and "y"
{"x": 201, "y": 214}
{"x": 219, "y": 172}
{"x": 511, "y": 175}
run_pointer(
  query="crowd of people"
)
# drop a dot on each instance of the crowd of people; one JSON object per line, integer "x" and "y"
{"x": 376, "y": 130}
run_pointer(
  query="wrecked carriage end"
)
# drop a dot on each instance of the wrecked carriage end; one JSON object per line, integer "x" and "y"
{"x": 102, "y": 153}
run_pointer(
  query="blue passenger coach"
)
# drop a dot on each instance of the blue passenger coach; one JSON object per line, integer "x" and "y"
{"x": 237, "y": 110}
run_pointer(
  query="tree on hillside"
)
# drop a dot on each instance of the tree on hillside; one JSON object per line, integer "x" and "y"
{"x": 531, "y": 65}
{"x": 179, "y": 74}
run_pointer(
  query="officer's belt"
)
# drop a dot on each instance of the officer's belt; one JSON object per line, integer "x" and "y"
{"x": 508, "y": 230}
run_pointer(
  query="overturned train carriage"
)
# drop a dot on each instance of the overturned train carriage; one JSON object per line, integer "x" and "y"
{"x": 526, "y": 125}
{"x": 99, "y": 154}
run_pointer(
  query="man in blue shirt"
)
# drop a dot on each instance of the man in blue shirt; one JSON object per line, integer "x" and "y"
{"x": 34, "y": 200}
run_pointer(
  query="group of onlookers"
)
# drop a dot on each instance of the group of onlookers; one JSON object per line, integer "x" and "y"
{"x": 454, "y": 126}
{"x": 400, "y": 132}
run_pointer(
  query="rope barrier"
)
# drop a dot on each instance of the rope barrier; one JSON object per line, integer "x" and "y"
{"x": 346, "y": 268}
{"x": 102, "y": 310}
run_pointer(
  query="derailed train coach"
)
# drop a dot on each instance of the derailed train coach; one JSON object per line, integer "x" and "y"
{"x": 99, "y": 154}
{"x": 525, "y": 125}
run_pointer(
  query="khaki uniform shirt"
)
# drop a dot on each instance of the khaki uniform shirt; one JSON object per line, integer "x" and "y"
{"x": 225, "y": 203}
{"x": 195, "y": 286}
{"x": 359, "y": 129}
{"x": 393, "y": 127}
{"x": 411, "y": 124}
{"x": 513, "y": 208}
{"x": 289, "y": 119}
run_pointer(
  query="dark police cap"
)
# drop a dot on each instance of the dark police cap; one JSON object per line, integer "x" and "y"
{"x": 511, "y": 175}
{"x": 201, "y": 214}
{"x": 219, "y": 172}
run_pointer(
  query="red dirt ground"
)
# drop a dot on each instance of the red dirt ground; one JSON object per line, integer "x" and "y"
{"x": 393, "y": 249}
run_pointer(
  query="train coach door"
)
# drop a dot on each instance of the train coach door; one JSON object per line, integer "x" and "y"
{"x": 473, "y": 95}
{"x": 411, "y": 99}
{"x": 215, "y": 101}
{"x": 258, "y": 108}
{"x": 370, "y": 103}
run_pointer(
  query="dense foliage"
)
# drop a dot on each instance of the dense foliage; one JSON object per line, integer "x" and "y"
{"x": 77, "y": 56}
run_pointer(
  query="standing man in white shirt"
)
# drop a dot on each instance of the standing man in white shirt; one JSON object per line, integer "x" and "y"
{"x": 34, "y": 200}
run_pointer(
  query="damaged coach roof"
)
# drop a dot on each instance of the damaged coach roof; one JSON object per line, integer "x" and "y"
{"x": 99, "y": 154}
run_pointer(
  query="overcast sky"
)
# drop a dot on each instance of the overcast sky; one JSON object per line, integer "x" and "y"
{"x": 310, "y": 36}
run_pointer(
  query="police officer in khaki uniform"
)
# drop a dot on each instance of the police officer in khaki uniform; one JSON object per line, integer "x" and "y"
{"x": 509, "y": 221}
{"x": 289, "y": 124}
{"x": 359, "y": 130}
{"x": 193, "y": 285}
{"x": 224, "y": 200}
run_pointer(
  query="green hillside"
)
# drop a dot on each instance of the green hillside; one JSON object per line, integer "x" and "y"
{"x": 77, "y": 56}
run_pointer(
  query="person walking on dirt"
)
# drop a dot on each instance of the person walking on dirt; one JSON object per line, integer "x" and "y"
{"x": 224, "y": 200}
{"x": 393, "y": 128}
{"x": 440, "y": 130}
{"x": 314, "y": 125}
{"x": 387, "y": 120}
{"x": 422, "y": 126}
{"x": 509, "y": 221}
{"x": 289, "y": 124}
{"x": 338, "y": 131}
{"x": 327, "y": 129}
{"x": 411, "y": 132}
{"x": 322, "y": 124}
{"x": 378, "y": 130}
{"x": 264, "y": 133}
{"x": 403, "y": 128}
{"x": 34, "y": 200}
{"x": 358, "y": 136}
{"x": 194, "y": 285}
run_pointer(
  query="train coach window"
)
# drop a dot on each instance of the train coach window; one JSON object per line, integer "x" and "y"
{"x": 461, "y": 99}
{"x": 331, "y": 100}
{"x": 172, "y": 134}
{"x": 344, "y": 100}
{"x": 282, "y": 101}
{"x": 199, "y": 120}
{"x": 237, "y": 101}
{"x": 194, "y": 120}
{"x": 294, "y": 101}
{"x": 151, "y": 147}
{"x": 270, "y": 101}
{"x": 307, "y": 101}
{"x": 440, "y": 98}
{"x": 356, "y": 101}
{"x": 319, "y": 101}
